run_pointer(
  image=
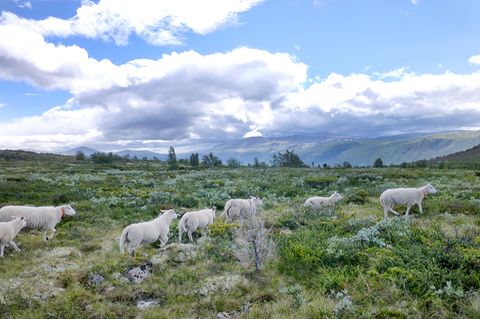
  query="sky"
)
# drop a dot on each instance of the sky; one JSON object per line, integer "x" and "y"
{"x": 138, "y": 74}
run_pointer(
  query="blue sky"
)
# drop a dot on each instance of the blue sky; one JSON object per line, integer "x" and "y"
{"x": 186, "y": 74}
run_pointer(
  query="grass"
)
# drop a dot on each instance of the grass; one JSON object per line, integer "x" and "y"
{"x": 338, "y": 263}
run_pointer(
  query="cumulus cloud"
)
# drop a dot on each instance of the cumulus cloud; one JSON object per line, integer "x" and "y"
{"x": 360, "y": 105}
{"x": 26, "y": 56}
{"x": 474, "y": 59}
{"x": 181, "y": 96}
{"x": 158, "y": 22}
{"x": 193, "y": 100}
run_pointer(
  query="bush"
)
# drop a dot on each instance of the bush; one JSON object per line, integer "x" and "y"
{"x": 320, "y": 181}
{"x": 359, "y": 197}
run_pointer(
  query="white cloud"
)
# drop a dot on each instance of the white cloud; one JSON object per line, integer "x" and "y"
{"x": 358, "y": 104}
{"x": 26, "y": 56}
{"x": 158, "y": 22}
{"x": 23, "y": 4}
{"x": 194, "y": 99}
{"x": 415, "y": 2}
{"x": 474, "y": 59}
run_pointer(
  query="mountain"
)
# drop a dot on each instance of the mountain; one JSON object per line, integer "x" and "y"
{"x": 142, "y": 153}
{"x": 331, "y": 150}
{"x": 392, "y": 149}
{"x": 470, "y": 156}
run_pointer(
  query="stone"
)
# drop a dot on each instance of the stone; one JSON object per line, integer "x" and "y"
{"x": 95, "y": 279}
{"x": 138, "y": 274}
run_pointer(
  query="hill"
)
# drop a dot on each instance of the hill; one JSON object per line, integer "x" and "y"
{"x": 392, "y": 149}
{"x": 470, "y": 156}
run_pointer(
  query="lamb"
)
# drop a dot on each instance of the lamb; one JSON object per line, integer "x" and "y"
{"x": 241, "y": 208}
{"x": 317, "y": 202}
{"x": 191, "y": 221}
{"x": 405, "y": 196}
{"x": 8, "y": 231}
{"x": 147, "y": 232}
{"x": 44, "y": 218}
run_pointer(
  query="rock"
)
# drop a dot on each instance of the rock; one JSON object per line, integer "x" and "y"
{"x": 138, "y": 274}
{"x": 148, "y": 303}
{"x": 224, "y": 315}
{"x": 95, "y": 279}
{"x": 245, "y": 307}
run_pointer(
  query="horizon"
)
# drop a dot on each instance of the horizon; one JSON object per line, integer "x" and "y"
{"x": 145, "y": 75}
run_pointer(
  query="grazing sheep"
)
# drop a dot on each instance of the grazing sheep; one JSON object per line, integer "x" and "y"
{"x": 317, "y": 202}
{"x": 8, "y": 231}
{"x": 191, "y": 221}
{"x": 241, "y": 208}
{"x": 44, "y": 218}
{"x": 405, "y": 196}
{"x": 147, "y": 232}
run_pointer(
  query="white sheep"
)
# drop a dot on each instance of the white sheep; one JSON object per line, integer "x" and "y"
{"x": 191, "y": 221}
{"x": 318, "y": 202}
{"x": 405, "y": 196}
{"x": 147, "y": 232}
{"x": 44, "y": 218}
{"x": 8, "y": 231}
{"x": 241, "y": 208}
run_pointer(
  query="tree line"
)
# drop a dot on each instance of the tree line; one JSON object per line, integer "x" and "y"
{"x": 282, "y": 159}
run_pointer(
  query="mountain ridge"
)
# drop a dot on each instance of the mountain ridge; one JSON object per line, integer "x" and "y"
{"x": 332, "y": 150}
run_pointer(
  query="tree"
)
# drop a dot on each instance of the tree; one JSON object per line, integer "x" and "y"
{"x": 211, "y": 160}
{"x": 172, "y": 158}
{"x": 102, "y": 158}
{"x": 80, "y": 156}
{"x": 233, "y": 162}
{"x": 347, "y": 165}
{"x": 253, "y": 245}
{"x": 287, "y": 159}
{"x": 325, "y": 165}
{"x": 378, "y": 163}
{"x": 194, "y": 161}
{"x": 256, "y": 162}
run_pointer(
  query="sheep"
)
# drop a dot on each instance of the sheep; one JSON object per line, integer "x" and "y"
{"x": 44, "y": 218}
{"x": 404, "y": 196}
{"x": 241, "y": 208}
{"x": 317, "y": 202}
{"x": 147, "y": 232}
{"x": 8, "y": 231}
{"x": 191, "y": 221}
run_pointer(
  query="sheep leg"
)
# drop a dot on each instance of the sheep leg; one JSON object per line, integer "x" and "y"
{"x": 408, "y": 210}
{"x": 53, "y": 231}
{"x": 163, "y": 241}
{"x": 180, "y": 234}
{"x": 420, "y": 208}
{"x": 44, "y": 236}
{"x": 11, "y": 243}
{"x": 190, "y": 238}
{"x": 2, "y": 246}
{"x": 385, "y": 212}
{"x": 393, "y": 211}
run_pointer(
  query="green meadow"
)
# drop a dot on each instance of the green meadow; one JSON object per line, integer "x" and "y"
{"x": 341, "y": 262}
